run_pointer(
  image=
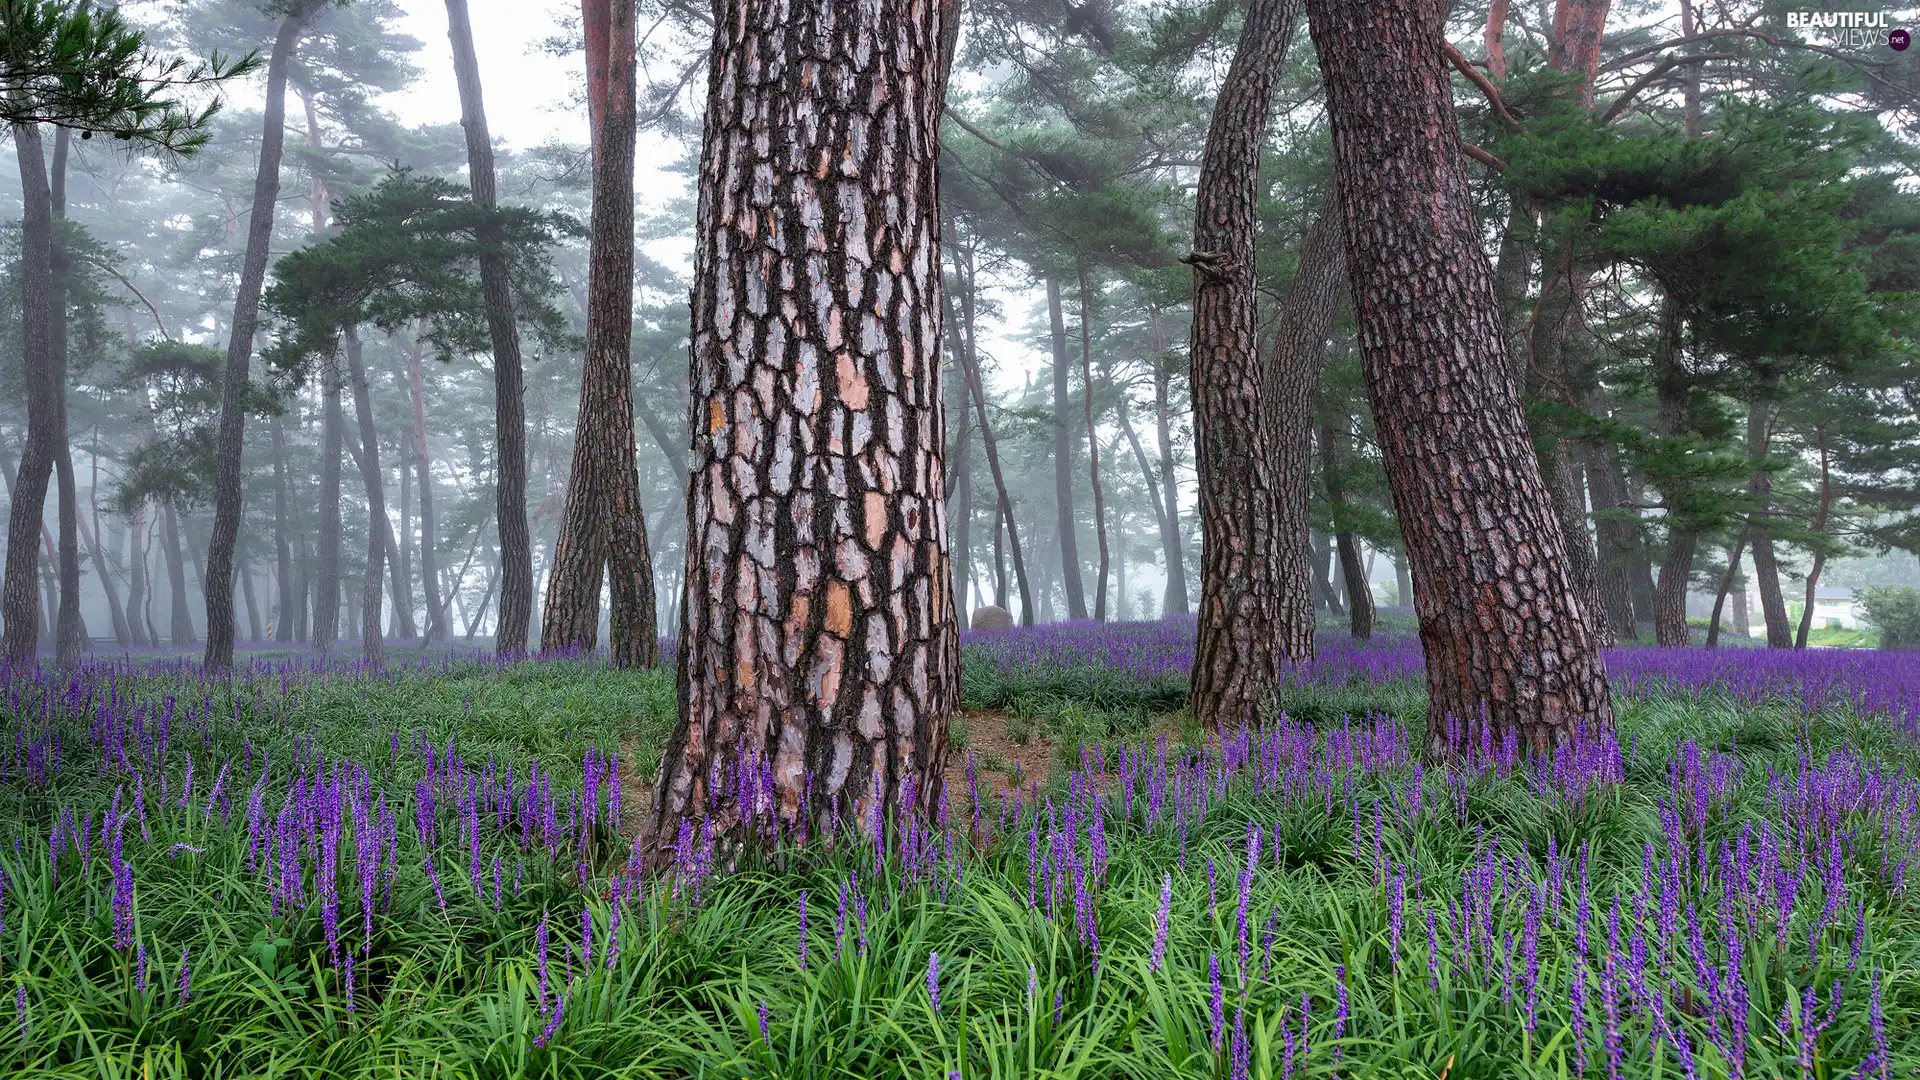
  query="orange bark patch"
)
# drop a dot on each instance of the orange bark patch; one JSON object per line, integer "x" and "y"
{"x": 716, "y": 416}
{"x": 876, "y": 514}
{"x": 839, "y": 609}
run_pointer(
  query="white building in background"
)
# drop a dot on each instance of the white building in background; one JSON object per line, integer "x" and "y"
{"x": 1835, "y": 609}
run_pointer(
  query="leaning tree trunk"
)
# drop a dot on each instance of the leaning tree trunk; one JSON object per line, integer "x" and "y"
{"x": 70, "y": 632}
{"x": 1819, "y": 529}
{"x": 246, "y": 307}
{"x": 180, "y": 616}
{"x": 1065, "y": 533}
{"x": 509, "y": 411}
{"x": 1766, "y": 565}
{"x": 1093, "y": 445}
{"x": 326, "y": 592}
{"x": 1003, "y": 501}
{"x": 20, "y": 597}
{"x": 1500, "y": 622}
{"x": 1236, "y": 654}
{"x": 602, "y": 527}
{"x": 817, "y": 632}
{"x": 283, "y": 629}
{"x": 372, "y": 632}
{"x": 1617, "y": 539}
{"x": 137, "y": 620}
{"x": 437, "y": 627}
{"x": 1293, "y": 379}
{"x": 1173, "y": 548}
{"x": 1353, "y": 571}
{"x": 1683, "y": 532}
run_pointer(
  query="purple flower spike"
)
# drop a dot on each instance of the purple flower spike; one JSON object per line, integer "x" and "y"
{"x": 933, "y": 980}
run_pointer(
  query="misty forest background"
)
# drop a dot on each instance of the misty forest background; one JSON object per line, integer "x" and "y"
{"x": 1729, "y": 399}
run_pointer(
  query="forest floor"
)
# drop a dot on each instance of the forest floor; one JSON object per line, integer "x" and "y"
{"x": 324, "y": 871}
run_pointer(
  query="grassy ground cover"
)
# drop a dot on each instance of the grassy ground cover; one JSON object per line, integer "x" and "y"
{"x": 426, "y": 872}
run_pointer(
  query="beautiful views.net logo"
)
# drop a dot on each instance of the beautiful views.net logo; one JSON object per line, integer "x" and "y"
{"x": 1851, "y": 29}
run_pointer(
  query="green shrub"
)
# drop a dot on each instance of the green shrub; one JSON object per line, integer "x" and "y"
{"x": 1895, "y": 610}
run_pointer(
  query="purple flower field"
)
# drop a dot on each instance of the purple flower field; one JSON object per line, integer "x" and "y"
{"x": 319, "y": 869}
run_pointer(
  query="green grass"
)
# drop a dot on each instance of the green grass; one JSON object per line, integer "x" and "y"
{"x": 453, "y": 991}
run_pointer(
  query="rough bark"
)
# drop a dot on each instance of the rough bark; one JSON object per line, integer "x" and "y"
{"x": 326, "y": 589}
{"x": 1064, "y": 512}
{"x": 1293, "y": 381}
{"x": 1236, "y": 658}
{"x": 603, "y": 528}
{"x": 509, "y": 411}
{"x": 379, "y": 533}
{"x": 1093, "y": 446}
{"x": 1500, "y": 621}
{"x": 817, "y": 631}
{"x": 1574, "y": 42}
{"x": 20, "y": 595}
{"x": 246, "y": 307}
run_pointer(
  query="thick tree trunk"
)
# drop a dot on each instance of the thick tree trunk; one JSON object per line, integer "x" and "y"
{"x": 1093, "y": 444}
{"x": 817, "y": 631}
{"x": 1766, "y": 566}
{"x": 1293, "y": 382}
{"x": 180, "y": 616}
{"x": 1670, "y": 596}
{"x": 1500, "y": 621}
{"x": 1352, "y": 571}
{"x": 1236, "y": 654}
{"x": 283, "y": 620}
{"x": 603, "y": 528}
{"x": 20, "y": 597}
{"x": 379, "y": 533}
{"x": 227, "y": 488}
{"x": 326, "y": 591}
{"x": 437, "y": 626}
{"x": 1068, "y": 542}
{"x": 510, "y": 418}
{"x": 1173, "y": 548}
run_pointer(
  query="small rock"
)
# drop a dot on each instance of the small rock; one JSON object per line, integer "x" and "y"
{"x": 992, "y": 617}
